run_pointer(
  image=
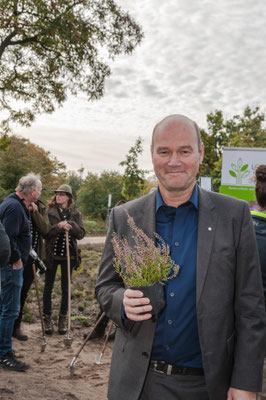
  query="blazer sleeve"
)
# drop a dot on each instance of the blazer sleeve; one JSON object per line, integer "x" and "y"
{"x": 110, "y": 288}
{"x": 249, "y": 311}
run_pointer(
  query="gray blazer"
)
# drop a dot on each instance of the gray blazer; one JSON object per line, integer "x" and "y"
{"x": 230, "y": 302}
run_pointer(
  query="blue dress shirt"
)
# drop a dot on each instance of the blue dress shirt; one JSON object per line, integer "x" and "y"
{"x": 176, "y": 338}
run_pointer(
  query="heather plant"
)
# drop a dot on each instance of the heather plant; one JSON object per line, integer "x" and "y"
{"x": 144, "y": 263}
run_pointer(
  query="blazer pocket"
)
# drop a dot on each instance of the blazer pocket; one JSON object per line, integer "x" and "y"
{"x": 230, "y": 344}
{"x": 121, "y": 339}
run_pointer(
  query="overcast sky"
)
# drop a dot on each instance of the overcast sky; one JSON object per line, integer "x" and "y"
{"x": 197, "y": 56}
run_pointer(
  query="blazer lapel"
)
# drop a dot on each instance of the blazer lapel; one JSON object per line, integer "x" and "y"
{"x": 146, "y": 218}
{"x": 206, "y": 230}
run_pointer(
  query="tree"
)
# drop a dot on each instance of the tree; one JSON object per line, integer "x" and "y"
{"x": 239, "y": 131}
{"x": 133, "y": 178}
{"x": 74, "y": 181}
{"x": 18, "y": 157}
{"x": 93, "y": 194}
{"x": 50, "y": 48}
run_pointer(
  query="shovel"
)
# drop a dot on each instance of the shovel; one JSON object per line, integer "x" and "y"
{"x": 68, "y": 340}
{"x": 40, "y": 309}
{"x": 74, "y": 360}
{"x": 105, "y": 343}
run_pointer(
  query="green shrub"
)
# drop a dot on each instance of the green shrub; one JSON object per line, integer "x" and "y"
{"x": 94, "y": 227}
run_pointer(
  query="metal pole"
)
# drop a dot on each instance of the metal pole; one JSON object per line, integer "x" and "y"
{"x": 39, "y": 305}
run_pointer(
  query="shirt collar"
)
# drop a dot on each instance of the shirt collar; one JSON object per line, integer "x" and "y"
{"x": 194, "y": 198}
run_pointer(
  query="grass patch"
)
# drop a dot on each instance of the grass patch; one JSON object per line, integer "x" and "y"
{"x": 94, "y": 227}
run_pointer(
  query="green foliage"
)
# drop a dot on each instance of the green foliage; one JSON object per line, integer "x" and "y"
{"x": 74, "y": 181}
{"x": 18, "y": 157}
{"x": 27, "y": 314}
{"x": 50, "y": 48}
{"x": 133, "y": 178}
{"x": 96, "y": 227}
{"x": 239, "y": 131}
{"x": 93, "y": 194}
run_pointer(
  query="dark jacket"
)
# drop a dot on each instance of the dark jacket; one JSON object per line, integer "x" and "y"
{"x": 230, "y": 304}
{"x": 259, "y": 222}
{"x": 15, "y": 218}
{"x": 41, "y": 221}
{"x": 4, "y": 247}
{"x": 76, "y": 233}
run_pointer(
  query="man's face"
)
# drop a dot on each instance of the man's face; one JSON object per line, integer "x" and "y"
{"x": 35, "y": 194}
{"x": 176, "y": 156}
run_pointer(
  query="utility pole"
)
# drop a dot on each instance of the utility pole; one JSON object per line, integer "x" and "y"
{"x": 109, "y": 206}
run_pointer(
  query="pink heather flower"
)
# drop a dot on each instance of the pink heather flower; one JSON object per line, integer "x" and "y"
{"x": 145, "y": 263}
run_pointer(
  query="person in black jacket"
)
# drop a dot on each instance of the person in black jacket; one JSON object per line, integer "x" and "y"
{"x": 259, "y": 220}
{"x": 4, "y": 247}
{"x": 63, "y": 217}
{"x": 15, "y": 218}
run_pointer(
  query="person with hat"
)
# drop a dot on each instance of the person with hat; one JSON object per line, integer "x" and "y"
{"x": 63, "y": 217}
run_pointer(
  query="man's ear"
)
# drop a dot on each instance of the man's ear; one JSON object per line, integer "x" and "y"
{"x": 201, "y": 152}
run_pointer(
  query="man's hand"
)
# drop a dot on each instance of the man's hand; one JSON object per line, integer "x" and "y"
{"x": 64, "y": 225}
{"x": 33, "y": 207}
{"x": 18, "y": 264}
{"x": 135, "y": 304}
{"x": 236, "y": 394}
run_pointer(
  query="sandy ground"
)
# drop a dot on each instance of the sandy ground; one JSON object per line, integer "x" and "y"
{"x": 49, "y": 374}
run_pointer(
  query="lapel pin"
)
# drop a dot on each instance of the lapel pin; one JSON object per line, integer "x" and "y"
{"x": 209, "y": 228}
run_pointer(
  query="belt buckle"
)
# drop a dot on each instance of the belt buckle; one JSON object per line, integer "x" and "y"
{"x": 156, "y": 368}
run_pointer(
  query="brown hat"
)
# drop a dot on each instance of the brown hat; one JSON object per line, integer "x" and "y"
{"x": 64, "y": 188}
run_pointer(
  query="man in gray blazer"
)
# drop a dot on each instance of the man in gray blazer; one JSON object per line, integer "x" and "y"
{"x": 208, "y": 343}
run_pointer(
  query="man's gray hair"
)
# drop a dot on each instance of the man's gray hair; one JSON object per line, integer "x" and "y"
{"x": 28, "y": 183}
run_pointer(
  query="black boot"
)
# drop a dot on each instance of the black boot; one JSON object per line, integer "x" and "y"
{"x": 62, "y": 324}
{"x": 18, "y": 334}
{"x": 48, "y": 324}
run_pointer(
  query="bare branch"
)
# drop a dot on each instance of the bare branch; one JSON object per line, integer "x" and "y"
{"x": 6, "y": 42}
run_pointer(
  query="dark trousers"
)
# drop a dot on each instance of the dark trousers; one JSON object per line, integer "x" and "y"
{"x": 11, "y": 284}
{"x": 50, "y": 275}
{"x": 160, "y": 386}
{"x": 27, "y": 282}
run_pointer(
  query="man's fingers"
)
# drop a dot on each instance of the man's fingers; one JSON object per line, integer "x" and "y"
{"x": 137, "y": 307}
{"x": 133, "y": 293}
{"x": 138, "y": 317}
{"x": 133, "y": 301}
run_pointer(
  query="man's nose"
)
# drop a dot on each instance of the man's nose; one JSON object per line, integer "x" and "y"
{"x": 174, "y": 160}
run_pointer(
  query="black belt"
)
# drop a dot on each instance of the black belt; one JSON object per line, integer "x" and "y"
{"x": 168, "y": 369}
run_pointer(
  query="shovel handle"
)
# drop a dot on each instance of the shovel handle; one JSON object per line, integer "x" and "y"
{"x": 89, "y": 335}
{"x": 69, "y": 281}
{"x": 38, "y": 298}
{"x": 107, "y": 337}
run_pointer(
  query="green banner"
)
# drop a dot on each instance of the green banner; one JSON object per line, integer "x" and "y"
{"x": 240, "y": 192}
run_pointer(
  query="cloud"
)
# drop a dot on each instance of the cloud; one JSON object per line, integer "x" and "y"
{"x": 195, "y": 57}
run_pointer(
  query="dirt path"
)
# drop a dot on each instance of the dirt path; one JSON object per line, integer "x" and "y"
{"x": 91, "y": 240}
{"x": 49, "y": 373}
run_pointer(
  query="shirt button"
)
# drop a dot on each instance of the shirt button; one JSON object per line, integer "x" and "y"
{"x": 170, "y": 322}
{"x": 172, "y": 294}
{"x": 176, "y": 244}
